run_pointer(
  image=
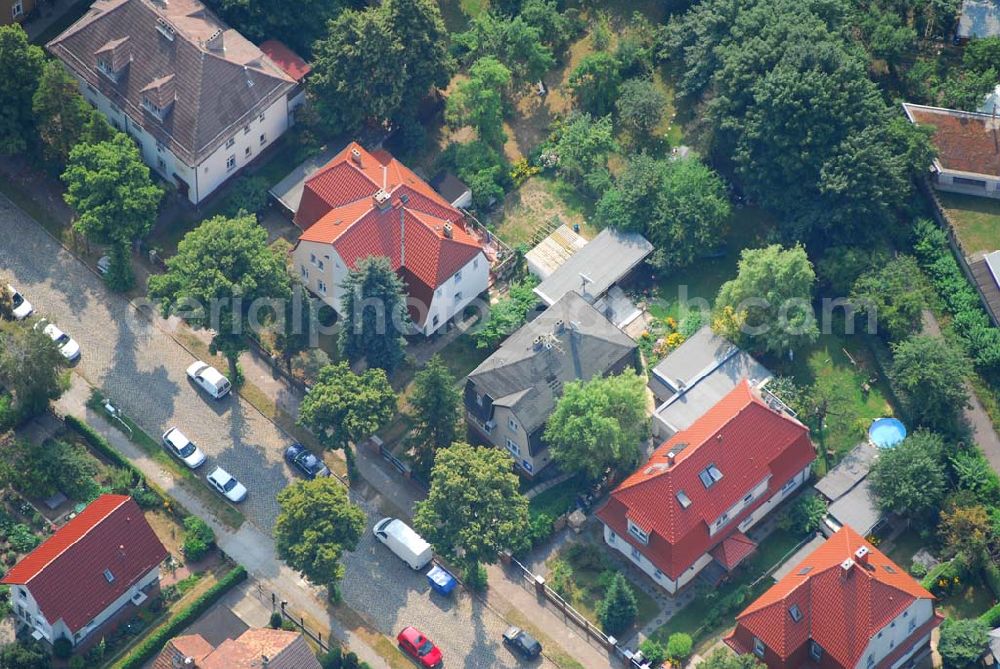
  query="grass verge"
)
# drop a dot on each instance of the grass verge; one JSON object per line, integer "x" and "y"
{"x": 226, "y": 513}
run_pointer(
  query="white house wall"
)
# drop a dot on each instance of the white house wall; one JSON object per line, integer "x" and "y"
{"x": 946, "y": 180}
{"x": 897, "y": 633}
{"x": 212, "y": 172}
{"x": 446, "y": 304}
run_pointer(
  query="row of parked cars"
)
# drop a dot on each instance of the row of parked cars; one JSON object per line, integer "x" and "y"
{"x": 417, "y": 553}
{"x": 22, "y": 309}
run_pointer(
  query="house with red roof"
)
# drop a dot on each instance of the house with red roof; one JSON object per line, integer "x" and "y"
{"x": 91, "y": 575}
{"x": 364, "y": 204}
{"x": 687, "y": 509}
{"x": 845, "y": 606}
{"x": 253, "y": 649}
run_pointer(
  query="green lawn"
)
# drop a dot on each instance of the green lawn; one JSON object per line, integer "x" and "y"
{"x": 976, "y": 219}
{"x": 903, "y": 548}
{"x": 539, "y": 206}
{"x": 968, "y": 602}
{"x": 828, "y": 364}
{"x": 747, "y": 228}
{"x": 702, "y": 619}
{"x": 558, "y": 499}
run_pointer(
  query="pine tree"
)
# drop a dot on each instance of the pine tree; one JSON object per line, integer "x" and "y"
{"x": 436, "y": 410}
{"x": 618, "y": 608}
{"x": 374, "y": 305}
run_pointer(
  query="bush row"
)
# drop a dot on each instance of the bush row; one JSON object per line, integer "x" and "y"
{"x": 971, "y": 323}
{"x": 945, "y": 570}
{"x": 153, "y": 643}
{"x": 145, "y": 494}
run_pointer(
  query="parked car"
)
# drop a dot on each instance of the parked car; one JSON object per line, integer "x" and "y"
{"x": 66, "y": 344}
{"x": 103, "y": 264}
{"x": 183, "y": 448}
{"x": 306, "y": 461}
{"x": 522, "y": 643}
{"x": 22, "y": 308}
{"x": 209, "y": 378}
{"x": 419, "y": 647}
{"x": 402, "y": 540}
{"x": 227, "y": 484}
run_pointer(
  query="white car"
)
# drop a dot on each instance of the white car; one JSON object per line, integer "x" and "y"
{"x": 183, "y": 448}
{"x": 66, "y": 344}
{"x": 209, "y": 378}
{"x": 224, "y": 482}
{"x": 22, "y": 308}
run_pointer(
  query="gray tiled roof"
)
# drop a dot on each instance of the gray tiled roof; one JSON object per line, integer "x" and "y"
{"x": 529, "y": 377}
{"x": 219, "y": 89}
{"x": 848, "y": 472}
{"x": 605, "y": 259}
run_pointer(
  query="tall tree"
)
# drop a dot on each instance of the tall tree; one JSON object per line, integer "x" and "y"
{"x": 316, "y": 524}
{"x": 595, "y": 83}
{"x": 61, "y": 113}
{"x": 270, "y": 19}
{"x": 376, "y": 61}
{"x": 31, "y": 366}
{"x": 511, "y": 40}
{"x": 768, "y": 304}
{"x": 679, "y": 205}
{"x": 910, "y": 478}
{"x": 478, "y": 101}
{"x": 474, "y": 508}
{"x": 963, "y": 641}
{"x": 20, "y": 67}
{"x": 641, "y": 106}
{"x": 893, "y": 295}
{"x": 932, "y": 372}
{"x": 581, "y": 146}
{"x": 436, "y": 408}
{"x": 226, "y": 278}
{"x": 599, "y": 424}
{"x": 375, "y": 317}
{"x": 24, "y": 655}
{"x": 343, "y": 408}
{"x": 618, "y": 609}
{"x": 969, "y": 532}
{"x": 110, "y": 188}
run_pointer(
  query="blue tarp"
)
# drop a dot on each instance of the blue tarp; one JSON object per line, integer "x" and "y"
{"x": 441, "y": 580}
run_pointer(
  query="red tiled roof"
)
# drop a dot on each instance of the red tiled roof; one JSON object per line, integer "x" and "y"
{"x": 338, "y": 208}
{"x": 284, "y": 650}
{"x": 841, "y": 611}
{"x": 965, "y": 141}
{"x": 746, "y": 440}
{"x": 290, "y": 62}
{"x": 65, "y": 574}
{"x": 733, "y": 550}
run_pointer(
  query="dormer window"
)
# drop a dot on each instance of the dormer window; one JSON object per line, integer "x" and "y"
{"x": 108, "y": 576}
{"x": 104, "y": 67}
{"x": 153, "y": 108}
{"x": 638, "y": 532}
{"x": 710, "y": 476}
{"x": 165, "y": 29}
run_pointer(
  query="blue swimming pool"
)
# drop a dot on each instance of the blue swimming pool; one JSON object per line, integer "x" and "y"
{"x": 886, "y": 432}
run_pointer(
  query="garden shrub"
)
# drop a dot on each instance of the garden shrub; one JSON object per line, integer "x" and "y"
{"x": 198, "y": 538}
{"x": 62, "y": 648}
{"x": 804, "y": 515}
{"x": 276, "y": 620}
{"x": 9, "y": 416}
{"x": 248, "y": 194}
{"x": 653, "y": 651}
{"x": 918, "y": 570}
{"x": 618, "y": 609}
{"x": 561, "y": 578}
{"x": 332, "y": 659}
{"x": 22, "y": 539}
{"x": 679, "y": 646}
{"x": 541, "y": 528}
{"x": 153, "y": 643}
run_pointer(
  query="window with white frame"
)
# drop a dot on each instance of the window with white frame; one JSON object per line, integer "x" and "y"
{"x": 321, "y": 286}
{"x": 230, "y": 142}
{"x": 795, "y": 612}
{"x": 512, "y": 424}
{"x": 434, "y": 322}
{"x": 321, "y": 264}
{"x": 17, "y": 9}
{"x": 231, "y": 162}
{"x": 758, "y": 647}
{"x": 246, "y": 152}
{"x": 638, "y": 532}
{"x": 475, "y": 263}
{"x": 161, "y": 163}
{"x": 658, "y": 575}
{"x": 710, "y": 476}
{"x": 458, "y": 276}
{"x": 912, "y": 626}
{"x": 636, "y": 555}
{"x": 304, "y": 271}
{"x": 159, "y": 146}
{"x": 870, "y": 662}
{"x": 789, "y": 485}
{"x": 246, "y": 130}
{"x": 612, "y": 536}
{"x": 263, "y": 139}
{"x": 458, "y": 296}
{"x": 261, "y": 117}
{"x": 513, "y": 447}
{"x": 312, "y": 258}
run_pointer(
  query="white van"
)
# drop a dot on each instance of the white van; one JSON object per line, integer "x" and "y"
{"x": 408, "y": 546}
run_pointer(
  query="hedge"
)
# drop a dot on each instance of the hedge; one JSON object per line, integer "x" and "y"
{"x": 158, "y": 638}
{"x": 991, "y": 616}
{"x": 99, "y": 443}
{"x": 947, "y": 569}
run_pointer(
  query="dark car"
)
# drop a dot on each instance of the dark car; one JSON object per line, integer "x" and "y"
{"x": 522, "y": 643}
{"x": 305, "y": 461}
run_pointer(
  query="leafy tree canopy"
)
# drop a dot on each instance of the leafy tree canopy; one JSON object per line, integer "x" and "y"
{"x": 723, "y": 658}
{"x": 436, "y": 408}
{"x": 61, "y": 113}
{"x": 478, "y": 100}
{"x": 110, "y": 188}
{"x": 595, "y": 83}
{"x": 910, "y": 478}
{"x": 344, "y": 408}
{"x": 599, "y": 424}
{"x": 581, "y": 145}
{"x": 932, "y": 372}
{"x": 507, "y": 315}
{"x": 31, "y": 366}
{"x": 474, "y": 509}
{"x": 317, "y": 523}
{"x": 20, "y": 67}
{"x": 893, "y": 295}
{"x": 640, "y": 106}
{"x": 513, "y": 41}
{"x": 679, "y": 205}
{"x": 963, "y": 642}
{"x": 768, "y": 305}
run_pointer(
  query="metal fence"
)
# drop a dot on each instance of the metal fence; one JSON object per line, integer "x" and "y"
{"x": 278, "y": 604}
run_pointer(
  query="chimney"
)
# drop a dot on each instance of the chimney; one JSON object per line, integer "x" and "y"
{"x": 559, "y": 326}
{"x": 845, "y": 566}
{"x": 448, "y": 230}
{"x": 861, "y": 555}
{"x": 537, "y": 344}
{"x": 214, "y": 42}
{"x": 265, "y": 661}
{"x": 381, "y": 199}
{"x": 356, "y": 157}
{"x": 671, "y": 457}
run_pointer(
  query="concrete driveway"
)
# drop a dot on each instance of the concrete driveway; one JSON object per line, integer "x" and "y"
{"x": 142, "y": 369}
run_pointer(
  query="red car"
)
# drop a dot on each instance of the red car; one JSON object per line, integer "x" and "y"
{"x": 422, "y": 649}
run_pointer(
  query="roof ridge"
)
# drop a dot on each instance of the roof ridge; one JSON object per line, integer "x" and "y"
{"x": 123, "y": 499}
{"x": 87, "y": 19}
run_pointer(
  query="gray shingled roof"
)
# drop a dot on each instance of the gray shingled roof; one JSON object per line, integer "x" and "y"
{"x": 848, "y": 472}
{"x": 218, "y": 90}
{"x": 529, "y": 377}
{"x": 605, "y": 259}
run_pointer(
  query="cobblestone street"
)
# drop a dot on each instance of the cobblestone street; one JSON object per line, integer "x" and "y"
{"x": 142, "y": 368}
